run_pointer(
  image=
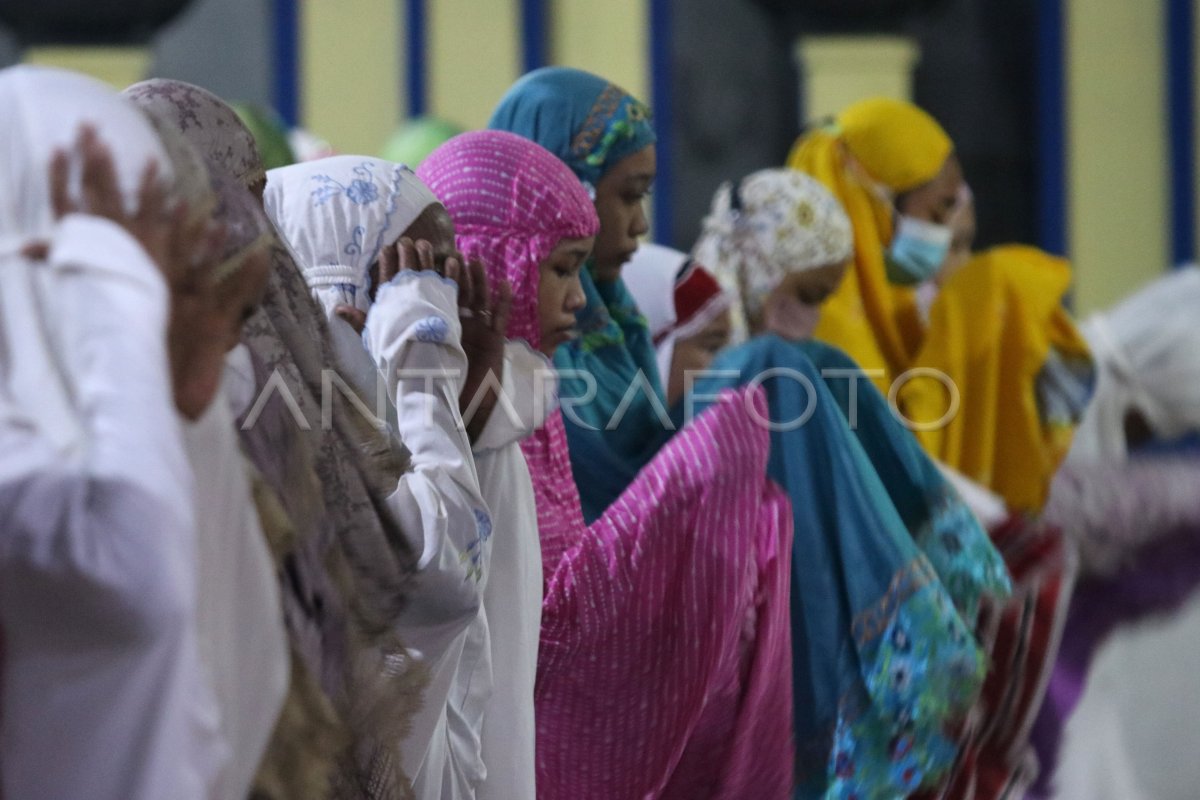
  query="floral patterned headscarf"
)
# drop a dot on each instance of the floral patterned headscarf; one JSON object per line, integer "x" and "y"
{"x": 208, "y": 122}
{"x": 339, "y": 213}
{"x": 772, "y": 223}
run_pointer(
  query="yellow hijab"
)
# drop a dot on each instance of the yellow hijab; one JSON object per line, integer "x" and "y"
{"x": 990, "y": 329}
{"x": 875, "y": 144}
{"x": 990, "y": 332}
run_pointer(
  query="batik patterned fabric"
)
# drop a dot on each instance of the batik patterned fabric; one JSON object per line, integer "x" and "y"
{"x": 770, "y": 224}
{"x": 663, "y": 666}
{"x": 957, "y": 552}
{"x": 209, "y": 122}
{"x": 590, "y": 125}
{"x": 1022, "y": 637}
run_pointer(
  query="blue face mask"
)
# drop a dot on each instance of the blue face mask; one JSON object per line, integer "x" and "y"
{"x": 917, "y": 251}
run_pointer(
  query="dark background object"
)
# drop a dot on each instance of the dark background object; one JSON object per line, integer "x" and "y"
{"x": 737, "y": 103}
{"x": 847, "y": 16}
{"x": 87, "y": 22}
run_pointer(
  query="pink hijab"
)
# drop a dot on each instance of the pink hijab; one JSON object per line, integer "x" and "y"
{"x": 512, "y": 203}
{"x": 664, "y": 666}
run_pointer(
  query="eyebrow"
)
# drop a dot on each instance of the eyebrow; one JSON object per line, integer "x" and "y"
{"x": 641, "y": 177}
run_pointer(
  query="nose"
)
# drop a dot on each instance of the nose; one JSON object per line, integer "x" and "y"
{"x": 639, "y": 225}
{"x": 576, "y": 299}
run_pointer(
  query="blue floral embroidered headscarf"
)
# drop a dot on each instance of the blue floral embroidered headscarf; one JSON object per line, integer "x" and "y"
{"x": 338, "y": 213}
{"x": 591, "y": 125}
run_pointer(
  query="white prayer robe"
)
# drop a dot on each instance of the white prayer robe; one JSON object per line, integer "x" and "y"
{"x": 103, "y": 695}
{"x": 413, "y": 334}
{"x": 243, "y": 643}
{"x": 513, "y": 596}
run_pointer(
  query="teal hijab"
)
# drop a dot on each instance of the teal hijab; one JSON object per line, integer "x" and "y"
{"x": 944, "y": 528}
{"x": 591, "y": 125}
{"x": 883, "y": 657}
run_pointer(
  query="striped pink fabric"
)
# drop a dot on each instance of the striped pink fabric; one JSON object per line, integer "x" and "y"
{"x": 665, "y": 662}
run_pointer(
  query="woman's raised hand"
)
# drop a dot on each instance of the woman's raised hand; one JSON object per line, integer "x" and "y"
{"x": 181, "y": 246}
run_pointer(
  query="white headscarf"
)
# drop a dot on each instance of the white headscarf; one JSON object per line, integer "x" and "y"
{"x": 338, "y": 213}
{"x": 44, "y": 109}
{"x": 103, "y": 667}
{"x": 1147, "y": 355}
{"x": 652, "y": 276}
{"x": 773, "y": 223}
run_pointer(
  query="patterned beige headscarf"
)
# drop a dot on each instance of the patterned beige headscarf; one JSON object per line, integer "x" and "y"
{"x": 771, "y": 224}
{"x": 350, "y": 572}
{"x": 209, "y": 123}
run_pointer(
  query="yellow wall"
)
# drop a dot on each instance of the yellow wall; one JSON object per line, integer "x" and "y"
{"x": 350, "y": 54}
{"x": 118, "y": 66}
{"x": 474, "y": 56}
{"x": 839, "y": 70}
{"x": 608, "y": 38}
{"x": 1117, "y": 155}
{"x": 1117, "y": 152}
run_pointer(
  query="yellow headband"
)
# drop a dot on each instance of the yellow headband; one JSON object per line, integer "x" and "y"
{"x": 898, "y": 144}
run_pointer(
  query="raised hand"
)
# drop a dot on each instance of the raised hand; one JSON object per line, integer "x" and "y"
{"x": 418, "y": 256}
{"x": 484, "y": 323}
{"x": 179, "y": 245}
{"x": 406, "y": 254}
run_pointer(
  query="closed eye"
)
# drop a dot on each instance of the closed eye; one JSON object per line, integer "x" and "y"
{"x": 567, "y": 271}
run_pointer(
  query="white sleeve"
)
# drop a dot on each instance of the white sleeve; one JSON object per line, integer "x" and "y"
{"x": 525, "y": 395}
{"x": 97, "y": 571}
{"x": 112, "y": 327}
{"x": 413, "y": 334}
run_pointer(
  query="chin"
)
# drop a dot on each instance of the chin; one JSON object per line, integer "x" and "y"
{"x": 609, "y": 269}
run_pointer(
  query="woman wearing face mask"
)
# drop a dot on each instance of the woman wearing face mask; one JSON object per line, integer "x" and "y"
{"x": 744, "y": 235}
{"x": 893, "y": 168}
{"x": 775, "y": 241}
{"x": 693, "y": 328}
{"x": 854, "y": 541}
